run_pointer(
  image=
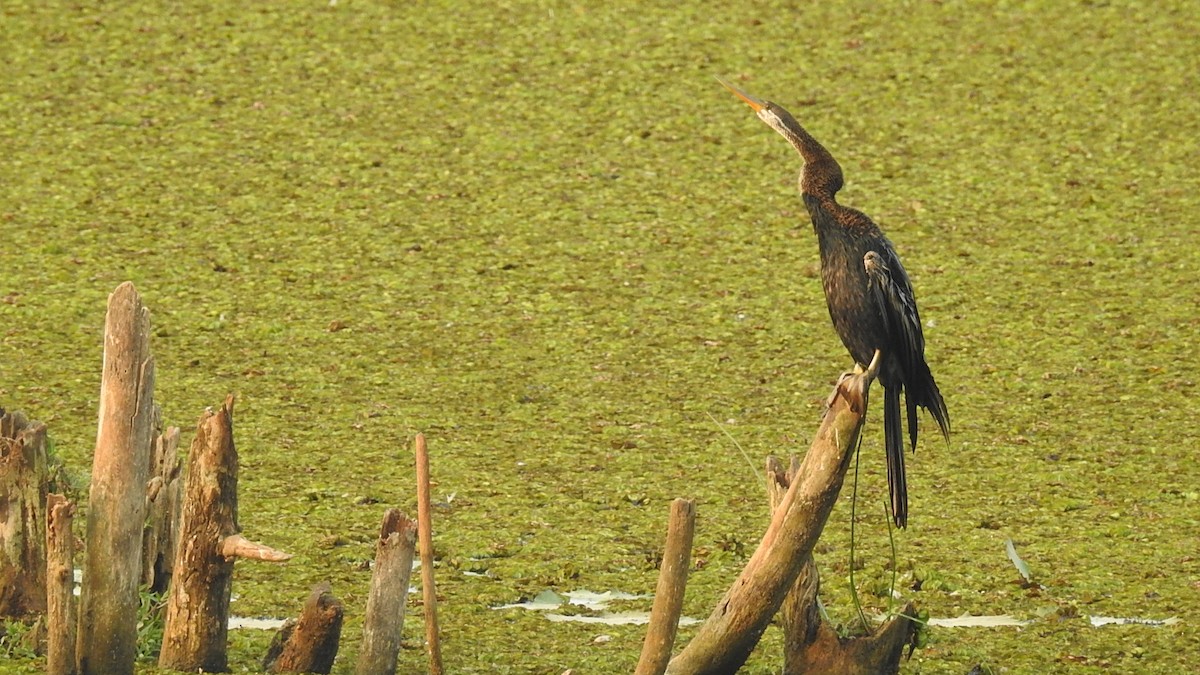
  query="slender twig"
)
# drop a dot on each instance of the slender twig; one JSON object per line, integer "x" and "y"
{"x": 853, "y": 509}
{"x": 425, "y": 535}
{"x": 753, "y": 469}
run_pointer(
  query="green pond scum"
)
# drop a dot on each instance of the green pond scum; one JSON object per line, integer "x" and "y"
{"x": 544, "y": 235}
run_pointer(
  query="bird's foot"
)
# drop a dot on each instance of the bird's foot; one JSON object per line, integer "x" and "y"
{"x": 837, "y": 388}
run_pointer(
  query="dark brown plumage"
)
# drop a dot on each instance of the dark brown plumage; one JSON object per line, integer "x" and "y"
{"x": 869, "y": 295}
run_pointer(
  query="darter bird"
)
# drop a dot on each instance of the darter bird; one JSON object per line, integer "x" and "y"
{"x": 869, "y": 295}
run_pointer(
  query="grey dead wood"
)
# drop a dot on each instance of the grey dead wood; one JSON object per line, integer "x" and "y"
{"x": 23, "y": 488}
{"x": 384, "y": 620}
{"x": 668, "y": 594}
{"x": 108, "y": 603}
{"x": 308, "y": 644}
{"x": 61, "y": 616}
{"x": 197, "y": 616}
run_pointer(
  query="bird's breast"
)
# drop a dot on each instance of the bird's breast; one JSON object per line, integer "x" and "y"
{"x": 856, "y": 319}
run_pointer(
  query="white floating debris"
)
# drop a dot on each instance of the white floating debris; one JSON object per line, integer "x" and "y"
{"x": 237, "y": 622}
{"x": 544, "y": 601}
{"x": 987, "y": 621}
{"x": 617, "y": 619}
{"x": 1098, "y": 621}
{"x": 593, "y": 600}
{"x": 548, "y": 599}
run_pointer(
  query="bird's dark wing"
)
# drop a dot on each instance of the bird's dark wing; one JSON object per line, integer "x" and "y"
{"x": 893, "y": 295}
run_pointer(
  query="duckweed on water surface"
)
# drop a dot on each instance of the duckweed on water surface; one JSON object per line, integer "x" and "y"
{"x": 543, "y": 234}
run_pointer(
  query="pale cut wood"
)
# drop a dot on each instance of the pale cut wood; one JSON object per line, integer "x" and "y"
{"x": 60, "y": 586}
{"x": 668, "y": 594}
{"x": 425, "y": 532}
{"x": 384, "y": 619}
{"x": 238, "y": 546}
{"x": 728, "y": 636}
{"x": 310, "y": 643}
{"x": 23, "y": 488}
{"x": 108, "y": 604}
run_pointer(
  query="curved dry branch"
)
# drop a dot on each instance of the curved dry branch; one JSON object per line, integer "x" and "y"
{"x": 726, "y": 639}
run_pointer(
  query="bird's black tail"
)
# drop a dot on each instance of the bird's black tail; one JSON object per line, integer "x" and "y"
{"x": 893, "y": 437}
{"x": 923, "y": 391}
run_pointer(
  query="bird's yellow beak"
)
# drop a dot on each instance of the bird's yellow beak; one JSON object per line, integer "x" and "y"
{"x": 754, "y": 102}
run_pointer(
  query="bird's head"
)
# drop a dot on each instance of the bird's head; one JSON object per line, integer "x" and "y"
{"x": 821, "y": 175}
{"x": 766, "y": 110}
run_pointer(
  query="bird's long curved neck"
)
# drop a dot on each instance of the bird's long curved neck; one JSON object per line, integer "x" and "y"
{"x": 822, "y": 176}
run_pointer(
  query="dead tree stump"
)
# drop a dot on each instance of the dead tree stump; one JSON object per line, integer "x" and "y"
{"x": 810, "y": 644}
{"x": 163, "y": 495}
{"x": 197, "y": 621}
{"x": 23, "y": 488}
{"x": 729, "y": 635}
{"x": 309, "y": 644}
{"x": 60, "y": 587}
{"x": 389, "y": 589}
{"x": 117, "y": 500}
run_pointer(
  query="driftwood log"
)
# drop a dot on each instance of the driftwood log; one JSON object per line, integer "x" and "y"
{"x": 308, "y": 644}
{"x": 23, "y": 488}
{"x": 108, "y": 607}
{"x": 668, "y": 594}
{"x": 60, "y": 586}
{"x": 729, "y": 635}
{"x": 197, "y": 620}
{"x": 384, "y": 620}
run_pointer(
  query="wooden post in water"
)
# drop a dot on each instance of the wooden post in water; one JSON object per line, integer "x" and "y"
{"x": 197, "y": 621}
{"x": 425, "y": 533}
{"x": 61, "y": 617}
{"x": 668, "y": 594}
{"x": 726, "y": 639}
{"x": 108, "y": 607}
{"x": 23, "y": 487}
{"x": 310, "y": 643}
{"x": 389, "y": 589}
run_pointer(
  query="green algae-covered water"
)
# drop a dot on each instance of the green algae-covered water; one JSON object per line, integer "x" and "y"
{"x": 545, "y": 236}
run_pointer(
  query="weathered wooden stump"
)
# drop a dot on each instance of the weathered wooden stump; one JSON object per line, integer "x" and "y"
{"x": 308, "y": 644}
{"x": 61, "y": 617}
{"x": 384, "y": 619}
{"x": 197, "y": 621}
{"x": 107, "y": 640}
{"x": 23, "y": 488}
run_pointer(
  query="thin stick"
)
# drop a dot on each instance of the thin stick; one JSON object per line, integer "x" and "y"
{"x": 668, "y": 595}
{"x": 425, "y": 535}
